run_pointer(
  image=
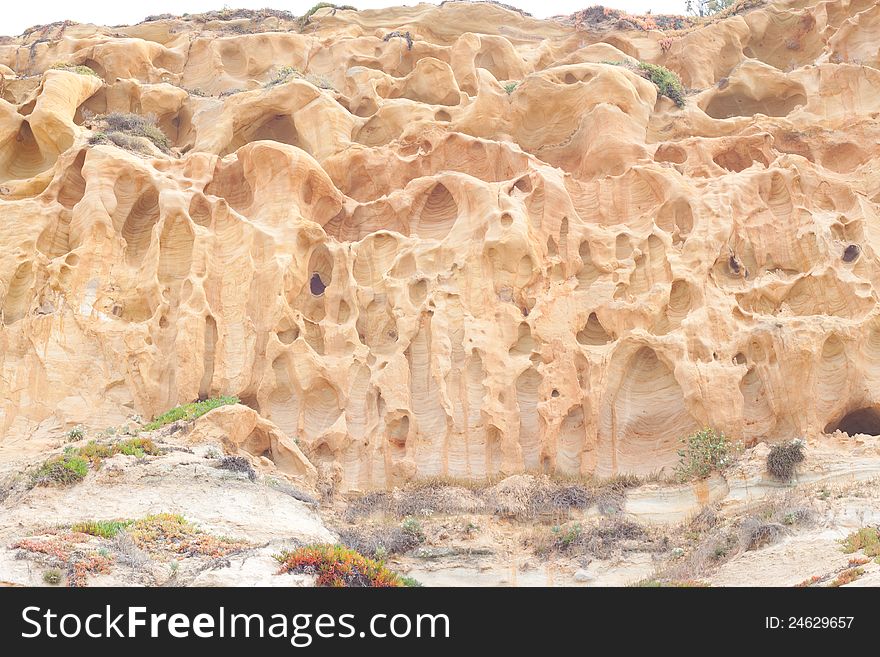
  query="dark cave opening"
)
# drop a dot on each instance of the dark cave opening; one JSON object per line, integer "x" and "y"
{"x": 862, "y": 420}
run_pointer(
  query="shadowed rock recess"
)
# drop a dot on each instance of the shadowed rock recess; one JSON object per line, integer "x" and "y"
{"x": 495, "y": 251}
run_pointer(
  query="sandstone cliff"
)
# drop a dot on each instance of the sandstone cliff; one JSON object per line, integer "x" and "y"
{"x": 486, "y": 248}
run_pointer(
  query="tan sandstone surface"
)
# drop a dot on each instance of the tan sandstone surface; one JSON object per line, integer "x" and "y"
{"x": 408, "y": 269}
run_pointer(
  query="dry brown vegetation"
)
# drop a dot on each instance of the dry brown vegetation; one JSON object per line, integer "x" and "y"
{"x": 518, "y": 497}
{"x": 711, "y": 539}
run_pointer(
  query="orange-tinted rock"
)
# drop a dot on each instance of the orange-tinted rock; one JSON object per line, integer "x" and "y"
{"x": 493, "y": 252}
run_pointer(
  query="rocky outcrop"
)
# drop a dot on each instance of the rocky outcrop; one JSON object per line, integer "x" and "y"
{"x": 487, "y": 251}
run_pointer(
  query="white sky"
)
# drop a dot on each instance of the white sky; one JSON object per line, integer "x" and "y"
{"x": 18, "y": 15}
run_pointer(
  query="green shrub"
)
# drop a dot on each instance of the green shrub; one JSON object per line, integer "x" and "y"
{"x": 101, "y": 528}
{"x": 77, "y": 433}
{"x": 189, "y": 411}
{"x": 666, "y": 81}
{"x": 52, "y": 577}
{"x": 867, "y": 539}
{"x": 61, "y": 470}
{"x": 510, "y": 87}
{"x": 668, "y": 84}
{"x": 138, "y": 447}
{"x": 705, "y": 451}
{"x": 413, "y": 528}
{"x": 783, "y": 459}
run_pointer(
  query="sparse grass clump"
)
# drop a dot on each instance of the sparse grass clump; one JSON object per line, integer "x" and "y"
{"x": 783, "y": 459}
{"x": 282, "y": 75}
{"x": 338, "y": 566}
{"x": 63, "y": 470}
{"x": 124, "y": 129}
{"x": 173, "y": 534}
{"x": 518, "y": 496}
{"x": 101, "y": 528}
{"x": 711, "y": 539}
{"x": 601, "y": 540}
{"x": 705, "y": 451}
{"x": 288, "y": 73}
{"x": 73, "y": 465}
{"x": 187, "y": 412}
{"x": 379, "y": 541}
{"x": 95, "y": 452}
{"x": 76, "y": 68}
{"x": 653, "y": 583}
{"x": 77, "y": 433}
{"x": 510, "y": 87}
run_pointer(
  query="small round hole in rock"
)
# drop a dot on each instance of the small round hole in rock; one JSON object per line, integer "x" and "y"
{"x": 851, "y": 252}
{"x": 316, "y": 285}
{"x": 554, "y": 393}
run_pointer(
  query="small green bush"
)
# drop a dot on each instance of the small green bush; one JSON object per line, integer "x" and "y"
{"x": 783, "y": 459}
{"x": 666, "y": 81}
{"x": 668, "y": 84}
{"x": 77, "y": 433}
{"x": 101, "y": 528}
{"x": 867, "y": 539}
{"x": 138, "y": 447}
{"x": 62, "y": 470}
{"x": 189, "y": 411}
{"x": 413, "y": 528}
{"x": 704, "y": 451}
{"x": 510, "y": 87}
{"x": 52, "y": 577}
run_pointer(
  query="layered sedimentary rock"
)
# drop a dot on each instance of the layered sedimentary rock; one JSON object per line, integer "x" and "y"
{"x": 485, "y": 251}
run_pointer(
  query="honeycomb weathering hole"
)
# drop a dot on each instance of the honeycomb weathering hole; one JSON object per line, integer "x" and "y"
{"x": 316, "y": 285}
{"x": 861, "y": 421}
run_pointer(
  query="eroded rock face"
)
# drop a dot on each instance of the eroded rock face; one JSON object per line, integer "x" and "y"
{"x": 418, "y": 271}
